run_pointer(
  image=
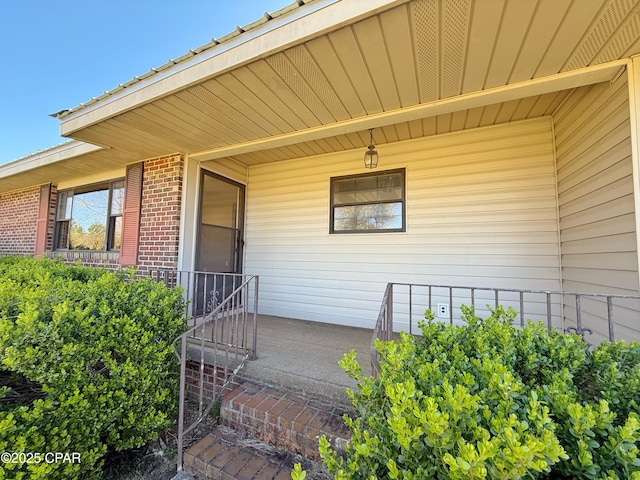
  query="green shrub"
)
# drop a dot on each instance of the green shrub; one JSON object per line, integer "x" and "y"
{"x": 87, "y": 361}
{"x": 487, "y": 400}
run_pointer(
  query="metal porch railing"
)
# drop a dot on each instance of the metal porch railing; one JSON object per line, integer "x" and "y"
{"x": 592, "y": 314}
{"x": 222, "y": 315}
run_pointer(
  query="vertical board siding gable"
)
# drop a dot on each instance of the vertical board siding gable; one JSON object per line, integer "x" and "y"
{"x": 41, "y": 222}
{"x": 131, "y": 215}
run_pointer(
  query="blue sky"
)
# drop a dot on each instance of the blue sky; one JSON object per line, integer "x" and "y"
{"x": 56, "y": 54}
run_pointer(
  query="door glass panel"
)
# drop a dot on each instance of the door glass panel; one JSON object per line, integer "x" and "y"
{"x": 219, "y": 203}
{"x": 217, "y": 248}
{"x": 219, "y": 236}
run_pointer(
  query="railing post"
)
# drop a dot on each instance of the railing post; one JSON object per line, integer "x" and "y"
{"x": 410, "y": 309}
{"x": 183, "y": 377}
{"x": 214, "y": 328}
{"x": 201, "y": 374}
{"x": 450, "y": 305}
{"x": 254, "y": 353}
{"x": 389, "y": 329}
{"x": 610, "y": 318}
{"x": 578, "y": 316}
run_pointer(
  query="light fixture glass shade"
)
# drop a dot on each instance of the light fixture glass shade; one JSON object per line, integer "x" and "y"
{"x": 371, "y": 157}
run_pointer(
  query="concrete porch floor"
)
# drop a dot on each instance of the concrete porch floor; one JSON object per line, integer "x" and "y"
{"x": 303, "y": 356}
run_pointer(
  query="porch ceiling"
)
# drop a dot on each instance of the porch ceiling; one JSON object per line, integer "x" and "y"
{"x": 395, "y": 68}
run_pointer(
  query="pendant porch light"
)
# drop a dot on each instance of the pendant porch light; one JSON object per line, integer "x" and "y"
{"x": 371, "y": 155}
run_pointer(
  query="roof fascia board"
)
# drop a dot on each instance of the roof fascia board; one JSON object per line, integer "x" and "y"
{"x": 529, "y": 88}
{"x": 275, "y": 35}
{"x": 55, "y": 154}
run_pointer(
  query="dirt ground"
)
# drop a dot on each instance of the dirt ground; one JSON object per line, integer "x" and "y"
{"x": 156, "y": 461}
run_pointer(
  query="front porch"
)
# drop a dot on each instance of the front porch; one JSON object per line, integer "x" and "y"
{"x": 277, "y": 379}
{"x": 303, "y": 356}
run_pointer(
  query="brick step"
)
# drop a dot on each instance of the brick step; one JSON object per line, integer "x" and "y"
{"x": 287, "y": 420}
{"x": 263, "y": 430}
{"x": 227, "y": 454}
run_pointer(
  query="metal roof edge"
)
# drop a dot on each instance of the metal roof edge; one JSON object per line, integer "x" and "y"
{"x": 62, "y": 151}
{"x": 205, "y": 51}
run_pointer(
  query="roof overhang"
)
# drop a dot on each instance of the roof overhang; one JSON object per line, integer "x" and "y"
{"x": 313, "y": 78}
{"x": 302, "y": 24}
{"x": 47, "y": 157}
{"x": 61, "y": 163}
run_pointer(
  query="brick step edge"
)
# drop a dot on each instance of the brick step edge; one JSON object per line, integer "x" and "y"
{"x": 287, "y": 420}
{"x": 227, "y": 454}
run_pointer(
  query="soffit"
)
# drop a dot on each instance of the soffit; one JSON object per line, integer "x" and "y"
{"x": 412, "y": 54}
{"x": 66, "y": 162}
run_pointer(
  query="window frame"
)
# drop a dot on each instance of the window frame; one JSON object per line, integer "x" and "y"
{"x": 403, "y": 200}
{"x": 111, "y": 217}
{"x": 109, "y": 239}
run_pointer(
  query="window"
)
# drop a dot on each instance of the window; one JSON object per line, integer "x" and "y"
{"x": 90, "y": 218}
{"x": 372, "y": 202}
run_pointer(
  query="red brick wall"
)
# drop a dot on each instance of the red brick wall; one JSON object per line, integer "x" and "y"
{"x": 18, "y": 215}
{"x": 160, "y": 214}
{"x": 213, "y": 380}
{"x": 159, "y": 220}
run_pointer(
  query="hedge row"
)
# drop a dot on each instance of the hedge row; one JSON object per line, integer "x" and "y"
{"x": 487, "y": 400}
{"x": 86, "y": 365}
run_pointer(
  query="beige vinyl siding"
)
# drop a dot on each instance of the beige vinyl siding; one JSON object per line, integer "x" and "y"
{"x": 596, "y": 205}
{"x": 481, "y": 210}
{"x": 227, "y": 168}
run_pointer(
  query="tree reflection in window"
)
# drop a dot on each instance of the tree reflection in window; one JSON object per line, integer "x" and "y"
{"x": 89, "y": 221}
{"x": 90, "y": 218}
{"x": 382, "y": 216}
{"x": 372, "y": 202}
